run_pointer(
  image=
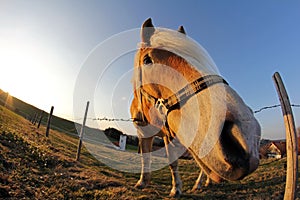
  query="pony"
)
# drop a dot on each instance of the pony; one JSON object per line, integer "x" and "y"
{"x": 179, "y": 96}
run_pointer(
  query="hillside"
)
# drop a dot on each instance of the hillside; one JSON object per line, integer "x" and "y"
{"x": 29, "y": 112}
{"x": 33, "y": 166}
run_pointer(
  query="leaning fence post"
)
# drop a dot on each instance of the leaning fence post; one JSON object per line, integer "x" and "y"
{"x": 33, "y": 118}
{"x": 291, "y": 139}
{"x": 49, "y": 121}
{"x": 40, "y": 120}
{"x": 82, "y": 131}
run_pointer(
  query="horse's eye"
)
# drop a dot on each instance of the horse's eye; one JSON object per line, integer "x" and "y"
{"x": 147, "y": 60}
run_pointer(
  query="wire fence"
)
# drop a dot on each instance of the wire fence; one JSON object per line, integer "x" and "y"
{"x": 114, "y": 119}
{"x": 73, "y": 131}
{"x": 132, "y": 120}
{"x": 273, "y": 106}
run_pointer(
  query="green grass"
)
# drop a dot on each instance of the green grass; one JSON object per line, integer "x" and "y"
{"x": 131, "y": 148}
{"x": 35, "y": 167}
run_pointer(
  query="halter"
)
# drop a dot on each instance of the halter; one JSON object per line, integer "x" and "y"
{"x": 165, "y": 106}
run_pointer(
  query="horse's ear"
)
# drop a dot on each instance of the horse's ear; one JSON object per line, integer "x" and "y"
{"x": 147, "y": 31}
{"x": 181, "y": 30}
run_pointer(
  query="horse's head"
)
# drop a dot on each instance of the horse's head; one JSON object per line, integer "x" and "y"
{"x": 214, "y": 124}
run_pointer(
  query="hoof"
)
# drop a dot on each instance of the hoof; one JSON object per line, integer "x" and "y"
{"x": 197, "y": 188}
{"x": 140, "y": 185}
{"x": 194, "y": 190}
{"x": 175, "y": 193}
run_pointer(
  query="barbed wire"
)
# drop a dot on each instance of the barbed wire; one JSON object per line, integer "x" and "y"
{"x": 132, "y": 119}
{"x": 266, "y": 107}
{"x": 114, "y": 119}
{"x": 273, "y": 106}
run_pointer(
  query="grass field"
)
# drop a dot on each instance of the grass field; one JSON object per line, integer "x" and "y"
{"x": 35, "y": 167}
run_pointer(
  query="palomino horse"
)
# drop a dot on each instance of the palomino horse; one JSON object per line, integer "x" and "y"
{"x": 179, "y": 96}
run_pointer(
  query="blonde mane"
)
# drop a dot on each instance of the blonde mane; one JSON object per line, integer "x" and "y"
{"x": 185, "y": 47}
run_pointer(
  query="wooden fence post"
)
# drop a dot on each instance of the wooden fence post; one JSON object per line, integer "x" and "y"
{"x": 82, "y": 131}
{"x": 291, "y": 139}
{"x": 49, "y": 121}
{"x": 41, "y": 117}
{"x": 33, "y": 118}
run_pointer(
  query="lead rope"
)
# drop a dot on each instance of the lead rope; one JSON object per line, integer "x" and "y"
{"x": 140, "y": 100}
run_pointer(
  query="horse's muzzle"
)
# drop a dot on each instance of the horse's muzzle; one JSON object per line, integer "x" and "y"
{"x": 239, "y": 156}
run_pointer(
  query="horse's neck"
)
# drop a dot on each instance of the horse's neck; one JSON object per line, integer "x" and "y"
{"x": 191, "y": 74}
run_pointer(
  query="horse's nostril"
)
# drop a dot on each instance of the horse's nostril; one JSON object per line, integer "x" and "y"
{"x": 233, "y": 145}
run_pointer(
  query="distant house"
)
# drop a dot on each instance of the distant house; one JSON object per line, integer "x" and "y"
{"x": 277, "y": 149}
{"x": 273, "y": 149}
{"x": 263, "y": 150}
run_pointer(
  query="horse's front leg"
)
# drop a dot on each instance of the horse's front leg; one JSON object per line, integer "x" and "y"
{"x": 145, "y": 145}
{"x": 173, "y": 165}
{"x": 207, "y": 182}
{"x": 198, "y": 183}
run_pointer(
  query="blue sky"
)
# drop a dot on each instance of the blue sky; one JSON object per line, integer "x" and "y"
{"x": 43, "y": 45}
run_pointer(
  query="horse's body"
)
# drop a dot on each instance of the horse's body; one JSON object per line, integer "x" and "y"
{"x": 214, "y": 124}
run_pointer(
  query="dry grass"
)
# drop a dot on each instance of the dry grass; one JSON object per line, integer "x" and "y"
{"x": 35, "y": 167}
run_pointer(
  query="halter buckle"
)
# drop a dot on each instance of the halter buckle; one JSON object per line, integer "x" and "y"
{"x": 161, "y": 108}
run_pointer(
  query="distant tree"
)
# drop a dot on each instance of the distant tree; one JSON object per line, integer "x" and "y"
{"x": 298, "y": 131}
{"x": 113, "y": 133}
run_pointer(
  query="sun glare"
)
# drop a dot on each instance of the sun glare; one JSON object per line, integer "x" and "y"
{"x": 36, "y": 71}
{"x": 21, "y": 67}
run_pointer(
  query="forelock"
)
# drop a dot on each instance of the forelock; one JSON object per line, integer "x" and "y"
{"x": 185, "y": 47}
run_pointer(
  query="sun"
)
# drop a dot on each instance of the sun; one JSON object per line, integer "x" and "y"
{"x": 20, "y": 66}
